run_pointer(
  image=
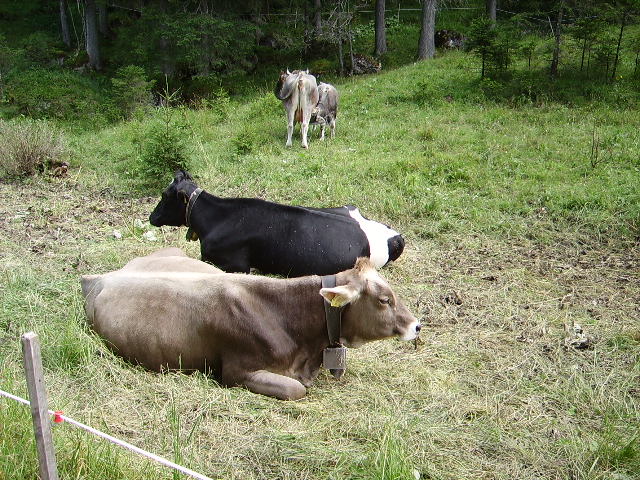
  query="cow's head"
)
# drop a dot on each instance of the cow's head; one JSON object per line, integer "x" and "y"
{"x": 173, "y": 205}
{"x": 280, "y": 95}
{"x": 373, "y": 311}
{"x": 396, "y": 247}
{"x": 316, "y": 117}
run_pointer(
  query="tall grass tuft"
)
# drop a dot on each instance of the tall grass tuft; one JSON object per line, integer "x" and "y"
{"x": 29, "y": 146}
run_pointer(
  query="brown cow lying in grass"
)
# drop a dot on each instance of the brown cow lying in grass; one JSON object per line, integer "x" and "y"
{"x": 263, "y": 333}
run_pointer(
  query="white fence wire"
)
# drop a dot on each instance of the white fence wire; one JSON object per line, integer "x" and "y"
{"x": 117, "y": 441}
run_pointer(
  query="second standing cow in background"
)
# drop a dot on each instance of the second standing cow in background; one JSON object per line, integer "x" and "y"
{"x": 326, "y": 111}
{"x": 298, "y": 91}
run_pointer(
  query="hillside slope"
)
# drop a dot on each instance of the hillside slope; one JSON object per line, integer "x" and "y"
{"x": 516, "y": 237}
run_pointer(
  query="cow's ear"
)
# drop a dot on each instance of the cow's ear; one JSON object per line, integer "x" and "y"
{"x": 339, "y": 296}
{"x": 181, "y": 175}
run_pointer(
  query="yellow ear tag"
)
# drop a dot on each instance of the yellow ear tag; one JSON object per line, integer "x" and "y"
{"x": 338, "y": 301}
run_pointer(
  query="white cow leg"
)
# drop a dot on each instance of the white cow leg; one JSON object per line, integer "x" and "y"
{"x": 304, "y": 129}
{"x": 333, "y": 128}
{"x": 274, "y": 385}
{"x": 289, "y": 134}
{"x": 322, "y": 132}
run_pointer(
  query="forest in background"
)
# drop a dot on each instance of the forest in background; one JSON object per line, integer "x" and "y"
{"x": 103, "y": 60}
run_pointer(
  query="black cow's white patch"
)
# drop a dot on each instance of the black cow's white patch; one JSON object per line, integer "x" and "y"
{"x": 378, "y": 235}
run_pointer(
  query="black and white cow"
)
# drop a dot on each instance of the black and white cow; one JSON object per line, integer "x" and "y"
{"x": 237, "y": 234}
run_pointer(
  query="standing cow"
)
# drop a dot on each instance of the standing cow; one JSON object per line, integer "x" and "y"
{"x": 298, "y": 91}
{"x": 326, "y": 111}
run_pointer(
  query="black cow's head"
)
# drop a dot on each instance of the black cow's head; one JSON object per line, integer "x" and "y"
{"x": 396, "y": 247}
{"x": 172, "y": 207}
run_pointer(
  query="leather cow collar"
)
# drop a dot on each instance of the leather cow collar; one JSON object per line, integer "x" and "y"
{"x": 334, "y": 356}
{"x": 192, "y": 200}
{"x": 191, "y": 234}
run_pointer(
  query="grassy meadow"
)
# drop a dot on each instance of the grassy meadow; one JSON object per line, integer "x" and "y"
{"x": 522, "y": 222}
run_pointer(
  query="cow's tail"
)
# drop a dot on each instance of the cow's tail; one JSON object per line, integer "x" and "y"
{"x": 302, "y": 98}
{"x": 91, "y": 287}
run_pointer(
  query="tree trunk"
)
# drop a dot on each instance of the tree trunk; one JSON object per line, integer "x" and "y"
{"x": 317, "y": 16}
{"x": 167, "y": 66}
{"x": 491, "y": 9}
{"x": 91, "y": 29}
{"x": 103, "y": 19}
{"x": 615, "y": 62}
{"x": 340, "y": 58}
{"x": 351, "y": 50}
{"x": 64, "y": 24}
{"x": 426, "y": 45}
{"x": 381, "y": 38}
{"x": 558, "y": 35}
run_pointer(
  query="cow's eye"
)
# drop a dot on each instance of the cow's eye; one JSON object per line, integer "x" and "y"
{"x": 384, "y": 300}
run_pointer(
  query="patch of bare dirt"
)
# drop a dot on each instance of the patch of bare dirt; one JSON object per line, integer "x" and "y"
{"x": 43, "y": 214}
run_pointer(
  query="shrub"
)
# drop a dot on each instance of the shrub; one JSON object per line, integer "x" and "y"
{"x": 244, "y": 142}
{"x": 163, "y": 150}
{"x": 131, "y": 89}
{"x": 9, "y": 58}
{"x": 219, "y": 103}
{"x": 45, "y": 93}
{"x": 323, "y": 66}
{"x": 41, "y": 48}
{"x": 30, "y": 145}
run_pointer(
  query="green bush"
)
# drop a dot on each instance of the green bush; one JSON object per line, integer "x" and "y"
{"x": 9, "y": 58}
{"x": 323, "y": 66}
{"x": 244, "y": 142}
{"x": 205, "y": 91}
{"x": 219, "y": 103}
{"x": 163, "y": 150}
{"x": 199, "y": 87}
{"x": 28, "y": 146}
{"x": 131, "y": 89}
{"x": 41, "y": 48}
{"x": 59, "y": 94}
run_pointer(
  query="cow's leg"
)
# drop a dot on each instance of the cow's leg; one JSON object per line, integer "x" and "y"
{"x": 274, "y": 385}
{"x": 304, "y": 129}
{"x": 322, "y": 132}
{"x": 289, "y": 133}
{"x": 333, "y": 127}
{"x": 290, "y": 123}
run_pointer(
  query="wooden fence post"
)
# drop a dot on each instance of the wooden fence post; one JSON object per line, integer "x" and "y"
{"x": 39, "y": 406}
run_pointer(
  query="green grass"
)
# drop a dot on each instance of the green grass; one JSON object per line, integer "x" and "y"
{"x": 502, "y": 206}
